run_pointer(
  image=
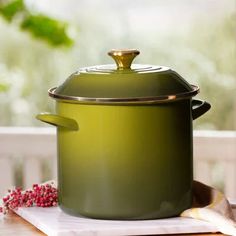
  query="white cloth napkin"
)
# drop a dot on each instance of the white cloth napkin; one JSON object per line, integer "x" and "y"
{"x": 211, "y": 205}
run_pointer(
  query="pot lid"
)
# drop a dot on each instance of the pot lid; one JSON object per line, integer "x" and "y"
{"x": 124, "y": 82}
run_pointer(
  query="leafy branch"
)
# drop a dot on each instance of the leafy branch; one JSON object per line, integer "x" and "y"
{"x": 53, "y": 31}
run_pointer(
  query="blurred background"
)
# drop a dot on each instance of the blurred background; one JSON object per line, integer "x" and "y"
{"x": 196, "y": 38}
{"x": 42, "y": 42}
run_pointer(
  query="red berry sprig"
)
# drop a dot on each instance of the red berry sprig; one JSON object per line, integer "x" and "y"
{"x": 40, "y": 195}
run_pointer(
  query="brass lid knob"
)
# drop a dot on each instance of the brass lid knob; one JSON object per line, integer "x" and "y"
{"x": 123, "y": 57}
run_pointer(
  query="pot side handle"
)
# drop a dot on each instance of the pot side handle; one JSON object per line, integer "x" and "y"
{"x": 58, "y": 121}
{"x": 199, "y": 108}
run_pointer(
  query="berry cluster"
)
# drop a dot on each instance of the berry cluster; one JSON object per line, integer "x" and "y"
{"x": 40, "y": 195}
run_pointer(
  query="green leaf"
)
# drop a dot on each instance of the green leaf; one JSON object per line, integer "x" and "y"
{"x": 51, "y": 30}
{"x": 41, "y": 26}
{"x": 10, "y": 9}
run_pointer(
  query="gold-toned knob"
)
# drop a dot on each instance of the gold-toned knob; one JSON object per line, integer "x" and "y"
{"x": 123, "y": 57}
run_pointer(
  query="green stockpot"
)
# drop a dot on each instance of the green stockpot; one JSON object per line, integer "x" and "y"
{"x": 125, "y": 142}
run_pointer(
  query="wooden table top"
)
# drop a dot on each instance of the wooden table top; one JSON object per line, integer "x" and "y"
{"x": 12, "y": 224}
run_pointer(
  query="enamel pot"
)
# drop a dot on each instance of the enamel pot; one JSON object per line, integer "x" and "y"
{"x": 125, "y": 140}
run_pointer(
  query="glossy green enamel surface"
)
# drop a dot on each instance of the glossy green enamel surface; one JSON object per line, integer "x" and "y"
{"x": 126, "y": 162}
{"x": 108, "y": 82}
{"x": 58, "y": 121}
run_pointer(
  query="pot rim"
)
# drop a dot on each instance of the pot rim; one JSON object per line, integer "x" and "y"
{"x": 126, "y": 100}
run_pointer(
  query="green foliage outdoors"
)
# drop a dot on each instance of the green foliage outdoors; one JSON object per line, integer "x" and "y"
{"x": 216, "y": 71}
{"x": 41, "y": 26}
{"x": 11, "y": 8}
{"x": 51, "y": 30}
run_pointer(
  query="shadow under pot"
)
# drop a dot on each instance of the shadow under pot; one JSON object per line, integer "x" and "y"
{"x": 125, "y": 140}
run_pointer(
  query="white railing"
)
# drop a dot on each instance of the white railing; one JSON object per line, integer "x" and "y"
{"x": 28, "y": 155}
{"x": 216, "y": 149}
{"x": 23, "y": 151}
